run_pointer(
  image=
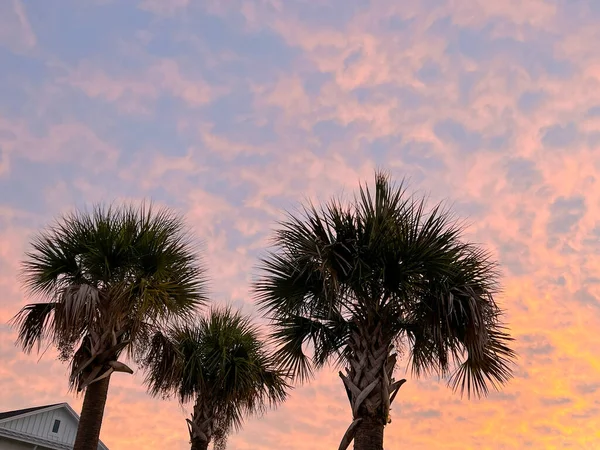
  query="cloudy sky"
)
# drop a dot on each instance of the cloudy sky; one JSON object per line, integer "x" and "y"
{"x": 232, "y": 110}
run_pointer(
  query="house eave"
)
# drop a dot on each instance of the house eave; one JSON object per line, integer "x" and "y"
{"x": 34, "y": 440}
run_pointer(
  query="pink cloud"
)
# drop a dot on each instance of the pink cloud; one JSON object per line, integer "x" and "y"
{"x": 137, "y": 94}
{"x": 15, "y": 30}
{"x": 61, "y": 143}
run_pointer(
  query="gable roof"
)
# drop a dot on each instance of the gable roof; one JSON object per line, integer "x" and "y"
{"x": 18, "y": 412}
{"x": 9, "y": 416}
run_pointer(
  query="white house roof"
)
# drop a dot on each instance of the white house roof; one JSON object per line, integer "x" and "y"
{"x": 52, "y": 426}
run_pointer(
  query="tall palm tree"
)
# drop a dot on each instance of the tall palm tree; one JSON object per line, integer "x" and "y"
{"x": 109, "y": 279}
{"x": 220, "y": 364}
{"x": 382, "y": 276}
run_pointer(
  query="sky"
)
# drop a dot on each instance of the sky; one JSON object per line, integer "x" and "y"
{"x": 231, "y": 111}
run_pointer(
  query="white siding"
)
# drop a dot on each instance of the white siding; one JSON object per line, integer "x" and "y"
{"x": 9, "y": 444}
{"x": 41, "y": 424}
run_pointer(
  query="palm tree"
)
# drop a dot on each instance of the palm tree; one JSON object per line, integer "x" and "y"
{"x": 109, "y": 279}
{"x": 365, "y": 282}
{"x": 220, "y": 364}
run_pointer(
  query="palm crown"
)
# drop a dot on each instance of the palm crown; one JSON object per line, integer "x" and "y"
{"x": 110, "y": 277}
{"x": 361, "y": 282}
{"x": 220, "y": 363}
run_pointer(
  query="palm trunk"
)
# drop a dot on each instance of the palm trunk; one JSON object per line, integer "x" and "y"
{"x": 199, "y": 444}
{"x": 370, "y": 387}
{"x": 88, "y": 431}
{"x": 369, "y": 435}
{"x": 201, "y": 425}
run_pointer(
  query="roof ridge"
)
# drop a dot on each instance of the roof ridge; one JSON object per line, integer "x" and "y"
{"x": 18, "y": 412}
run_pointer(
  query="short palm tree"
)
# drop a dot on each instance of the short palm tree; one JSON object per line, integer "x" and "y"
{"x": 364, "y": 282}
{"x": 109, "y": 279}
{"x": 219, "y": 363}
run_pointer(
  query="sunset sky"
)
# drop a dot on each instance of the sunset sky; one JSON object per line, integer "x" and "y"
{"x": 232, "y": 110}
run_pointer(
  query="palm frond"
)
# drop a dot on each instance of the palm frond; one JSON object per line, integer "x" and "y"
{"x": 78, "y": 308}
{"x": 33, "y": 322}
{"x": 488, "y": 366}
{"x": 325, "y": 333}
{"x": 162, "y": 364}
